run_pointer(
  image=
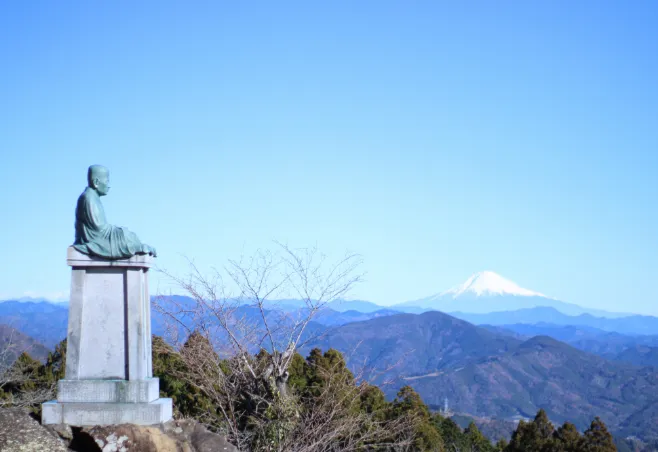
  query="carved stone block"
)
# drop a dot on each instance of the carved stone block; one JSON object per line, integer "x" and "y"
{"x": 108, "y": 391}
{"x": 85, "y": 414}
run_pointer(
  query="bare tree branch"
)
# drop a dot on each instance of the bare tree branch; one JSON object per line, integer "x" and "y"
{"x": 220, "y": 335}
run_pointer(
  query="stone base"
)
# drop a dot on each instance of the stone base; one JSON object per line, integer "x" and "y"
{"x": 108, "y": 391}
{"x": 86, "y": 414}
{"x": 109, "y": 331}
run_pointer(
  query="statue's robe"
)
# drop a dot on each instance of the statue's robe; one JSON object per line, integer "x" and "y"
{"x": 95, "y": 237}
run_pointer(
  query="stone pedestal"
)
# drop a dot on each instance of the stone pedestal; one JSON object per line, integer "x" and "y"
{"x": 109, "y": 377}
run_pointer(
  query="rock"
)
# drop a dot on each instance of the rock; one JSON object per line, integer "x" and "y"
{"x": 198, "y": 436}
{"x": 129, "y": 437}
{"x": 205, "y": 441}
{"x": 62, "y": 430}
{"x": 19, "y": 432}
{"x": 173, "y": 436}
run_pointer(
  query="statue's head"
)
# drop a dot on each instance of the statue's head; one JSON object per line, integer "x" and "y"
{"x": 98, "y": 178}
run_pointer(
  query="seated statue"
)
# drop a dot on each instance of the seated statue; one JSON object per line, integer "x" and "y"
{"x": 93, "y": 235}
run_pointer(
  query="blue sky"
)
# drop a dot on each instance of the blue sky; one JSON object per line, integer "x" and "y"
{"x": 437, "y": 139}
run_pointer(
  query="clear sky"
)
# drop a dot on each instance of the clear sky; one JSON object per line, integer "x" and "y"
{"x": 437, "y": 139}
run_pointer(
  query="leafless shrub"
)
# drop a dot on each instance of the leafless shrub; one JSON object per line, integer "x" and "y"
{"x": 236, "y": 347}
{"x": 19, "y": 381}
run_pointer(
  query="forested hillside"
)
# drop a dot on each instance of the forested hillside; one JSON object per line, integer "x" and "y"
{"x": 324, "y": 407}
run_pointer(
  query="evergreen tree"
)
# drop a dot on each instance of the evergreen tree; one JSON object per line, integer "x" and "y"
{"x": 55, "y": 368}
{"x": 537, "y": 435}
{"x": 427, "y": 438}
{"x": 476, "y": 440}
{"x": 597, "y": 438}
{"x": 544, "y": 427}
{"x": 316, "y": 367}
{"x": 374, "y": 402}
{"x": 453, "y": 438}
{"x": 567, "y": 438}
{"x": 501, "y": 445}
{"x": 298, "y": 373}
{"x": 408, "y": 403}
{"x": 524, "y": 438}
{"x": 187, "y": 399}
{"x": 31, "y": 372}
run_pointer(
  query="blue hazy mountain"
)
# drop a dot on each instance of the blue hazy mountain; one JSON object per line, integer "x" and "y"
{"x": 486, "y": 292}
{"x": 630, "y": 325}
{"x": 329, "y": 317}
{"x": 356, "y": 305}
{"x": 336, "y": 305}
{"x": 639, "y": 350}
{"x": 485, "y": 298}
{"x": 43, "y": 321}
{"x": 288, "y": 305}
{"x": 640, "y": 355}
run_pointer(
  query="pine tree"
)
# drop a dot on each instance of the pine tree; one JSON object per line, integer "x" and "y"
{"x": 317, "y": 364}
{"x": 187, "y": 399}
{"x": 453, "y": 438}
{"x": 524, "y": 438}
{"x": 501, "y": 445}
{"x": 546, "y": 441}
{"x": 597, "y": 438}
{"x": 545, "y": 428}
{"x": 31, "y": 372}
{"x": 567, "y": 438}
{"x": 374, "y": 402}
{"x": 408, "y": 403}
{"x": 537, "y": 435}
{"x": 476, "y": 440}
{"x": 298, "y": 371}
{"x": 55, "y": 368}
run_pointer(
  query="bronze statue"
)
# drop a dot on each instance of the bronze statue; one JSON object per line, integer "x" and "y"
{"x": 93, "y": 235}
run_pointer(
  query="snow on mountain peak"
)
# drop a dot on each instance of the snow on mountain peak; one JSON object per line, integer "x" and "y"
{"x": 490, "y": 283}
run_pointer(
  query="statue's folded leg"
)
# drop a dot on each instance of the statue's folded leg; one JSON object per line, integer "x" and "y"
{"x": 135, "y": 245}
{"x": 126, "y": 242}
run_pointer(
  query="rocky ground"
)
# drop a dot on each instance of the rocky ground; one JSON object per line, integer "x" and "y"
{"x": 20, "y": 432}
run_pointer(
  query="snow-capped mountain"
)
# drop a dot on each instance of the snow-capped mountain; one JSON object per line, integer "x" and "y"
{"x": 487, "y": 292}
{"x": 489, "y": 283}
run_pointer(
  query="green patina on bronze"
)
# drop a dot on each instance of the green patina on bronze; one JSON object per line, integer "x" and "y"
{"x": 93, "y": 235}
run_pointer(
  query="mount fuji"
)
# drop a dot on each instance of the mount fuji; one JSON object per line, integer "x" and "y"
{"x": 487, "y": 292}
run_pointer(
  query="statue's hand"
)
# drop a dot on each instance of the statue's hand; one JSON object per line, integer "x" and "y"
{"x": 149, "y": 250}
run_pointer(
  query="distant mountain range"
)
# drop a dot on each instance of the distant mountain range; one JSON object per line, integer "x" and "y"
{"x": 631, "y": 325}
{"x": 637, "y": 349}
{"x": 329, "y": 317}
{"x": 482, "y": 293}
{"x": 507, "y": 368}
{"x": 487, "y": 292}
{"x": 47, "y": 322}
{"x": 491, "y": 374}
{"x": 43, "y": 321}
